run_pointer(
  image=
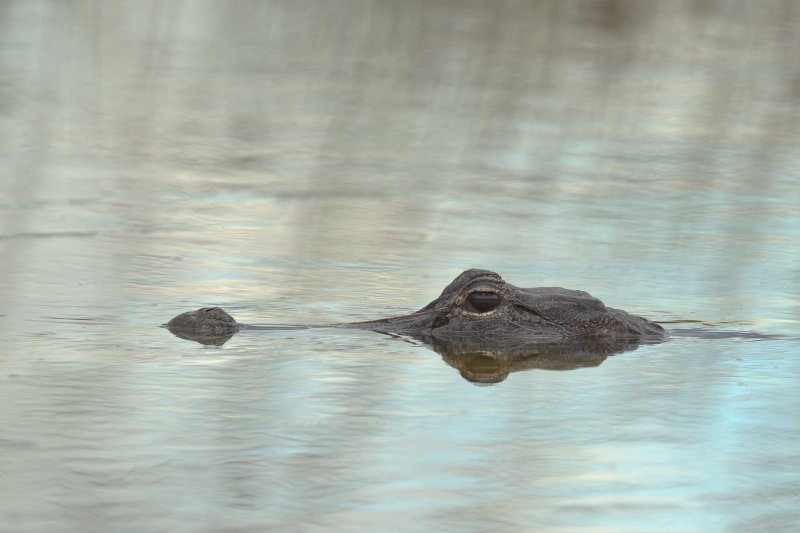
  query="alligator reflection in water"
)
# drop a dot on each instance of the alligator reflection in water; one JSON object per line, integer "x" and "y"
{"x": 484, "y": 327}
{"x": 486, "y": 366}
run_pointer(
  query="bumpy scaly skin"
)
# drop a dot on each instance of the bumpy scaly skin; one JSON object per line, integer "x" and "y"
{"x": 516, "y": 317}
{"x": 207, "y": 322}
{"x": 521, "y": 316}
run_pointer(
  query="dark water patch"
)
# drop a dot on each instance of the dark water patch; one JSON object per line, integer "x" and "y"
{"x": 99, "y": 321}
{"x": 49, "y": 235}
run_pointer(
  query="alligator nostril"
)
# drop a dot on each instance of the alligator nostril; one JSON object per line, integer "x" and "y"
{"x": 483, "y": 302}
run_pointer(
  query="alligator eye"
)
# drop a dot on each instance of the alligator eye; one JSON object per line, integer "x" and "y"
{"x": 483, "y": 302}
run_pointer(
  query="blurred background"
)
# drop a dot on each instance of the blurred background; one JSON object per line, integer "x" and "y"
{"x": 318, "y": 161}
{"x": 591, "y": 142}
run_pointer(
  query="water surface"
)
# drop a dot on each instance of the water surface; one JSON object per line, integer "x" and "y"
{"x": 312, "y": 162}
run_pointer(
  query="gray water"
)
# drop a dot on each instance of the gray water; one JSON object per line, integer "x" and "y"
{"x": 318, "y": 162}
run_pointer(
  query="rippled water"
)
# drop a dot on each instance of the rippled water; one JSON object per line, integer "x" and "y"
{"x": 319, "y": 162}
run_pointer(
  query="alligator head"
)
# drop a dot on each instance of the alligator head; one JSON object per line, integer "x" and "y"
{"x": 480, "y": 309}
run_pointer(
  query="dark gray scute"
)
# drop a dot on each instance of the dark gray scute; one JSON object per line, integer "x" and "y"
{"x": 207, "y": 325}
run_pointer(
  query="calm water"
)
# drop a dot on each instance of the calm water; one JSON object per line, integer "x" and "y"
{"x": 318, "y": 162}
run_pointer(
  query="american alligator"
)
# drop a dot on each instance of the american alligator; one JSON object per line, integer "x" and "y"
{"x": 479, "y": 310}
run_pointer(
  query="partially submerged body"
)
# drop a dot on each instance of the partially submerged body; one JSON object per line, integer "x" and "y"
{"x": 484, "y": 327}
{"x": 480, "y": 309}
